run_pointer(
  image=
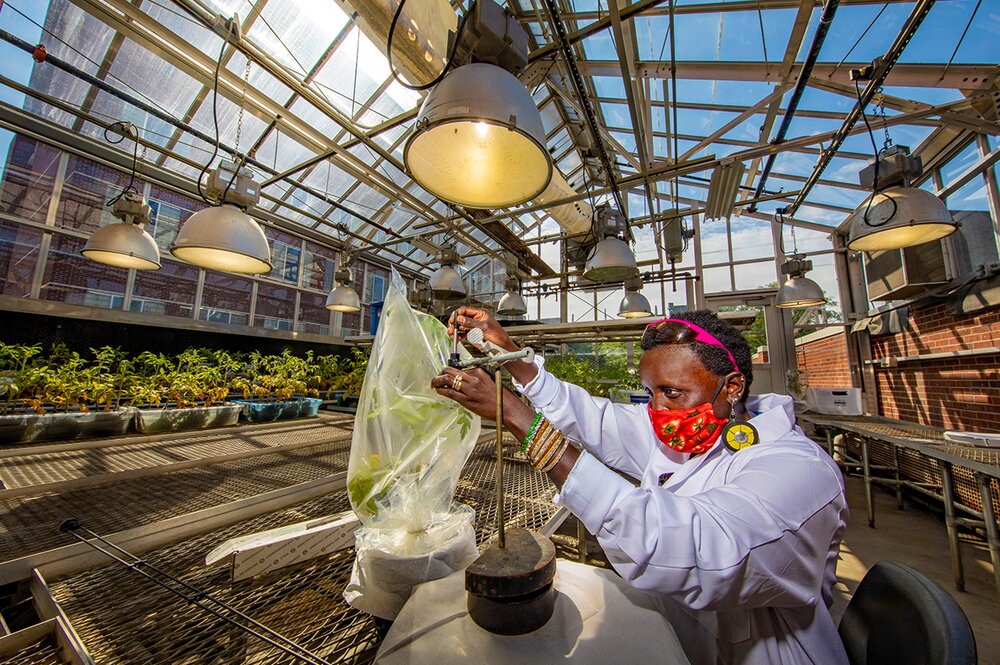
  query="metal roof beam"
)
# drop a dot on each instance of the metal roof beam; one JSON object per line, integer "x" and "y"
{"x": 916, "y": 75}
{"x": 734, "y": 6}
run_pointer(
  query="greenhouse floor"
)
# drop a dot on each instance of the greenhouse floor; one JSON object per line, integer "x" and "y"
{"x": 916, "y": 538}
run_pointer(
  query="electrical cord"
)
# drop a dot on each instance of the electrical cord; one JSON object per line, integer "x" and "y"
{"x": 871, "y": 135}
{"x": 459, "y": 32}
{"x": 851, "y": 50}
{"x": 123, "y": 127}
{"x": 215, "y": 121}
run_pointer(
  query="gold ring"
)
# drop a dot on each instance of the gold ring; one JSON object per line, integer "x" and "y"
{"x": 456, "y": 385}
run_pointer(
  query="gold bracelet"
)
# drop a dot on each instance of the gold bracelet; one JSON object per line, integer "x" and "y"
{"x": 551, "y": 442}
{"x": 536, "y": 437}
{"x": 557, "y": 456}
{"x": 540, "y": 431}
{"x": 541, "y": 448}
{"x": 544, "y": 461}
{"x": 545, "y": 446}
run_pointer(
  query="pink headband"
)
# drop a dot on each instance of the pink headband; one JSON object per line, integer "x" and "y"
{"x": 701, "y": 335}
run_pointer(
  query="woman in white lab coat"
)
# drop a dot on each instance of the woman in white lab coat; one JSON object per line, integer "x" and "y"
{"x": 737, "y": 519}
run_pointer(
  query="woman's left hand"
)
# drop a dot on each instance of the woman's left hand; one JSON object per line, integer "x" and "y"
{"x": 474, "y": 389}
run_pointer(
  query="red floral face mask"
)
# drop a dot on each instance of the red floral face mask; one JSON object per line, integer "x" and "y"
{"x": 691, "y": 430}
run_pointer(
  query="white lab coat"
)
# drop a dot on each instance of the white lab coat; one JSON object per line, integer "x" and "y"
{"x": 740, "y": 548}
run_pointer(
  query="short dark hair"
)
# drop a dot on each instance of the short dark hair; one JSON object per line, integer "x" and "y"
{"x": 712, "y": 357}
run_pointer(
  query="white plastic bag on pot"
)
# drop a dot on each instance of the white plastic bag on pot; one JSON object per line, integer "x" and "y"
{"x": 391, "y": 562}
{"x": 408, "y": 449}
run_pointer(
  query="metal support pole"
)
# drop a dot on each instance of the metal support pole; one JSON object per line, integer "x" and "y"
{"x": 866, "y": 469}
{"x": 501, "y": 540}
{"x": 895, "y": 471}
{"x": 581, "y": 541}
{"x": 947, "y": 488}
{"x": 990, "y": 517}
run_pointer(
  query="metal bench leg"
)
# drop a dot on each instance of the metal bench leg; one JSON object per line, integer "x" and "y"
{"x": 947, "y": 489}
{"x": 829, "y": 440}
{"x": 895, "y": 471}
{"x": 866, "y": 468}
{"x": 990, "y": 516}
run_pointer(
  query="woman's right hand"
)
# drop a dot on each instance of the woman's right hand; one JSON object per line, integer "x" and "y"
{"x": 467, "y": 318}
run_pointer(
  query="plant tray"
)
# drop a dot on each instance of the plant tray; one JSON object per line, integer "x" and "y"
{"x": 32, "y": 427}
{"x": 265, "y": 412}
{"x": 155, "y": 421}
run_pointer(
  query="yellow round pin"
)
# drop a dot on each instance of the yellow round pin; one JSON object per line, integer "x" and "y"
{"x": 740, "y": 435}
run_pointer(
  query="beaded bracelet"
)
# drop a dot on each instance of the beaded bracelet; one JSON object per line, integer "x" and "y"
{"x": 531, "y": 431}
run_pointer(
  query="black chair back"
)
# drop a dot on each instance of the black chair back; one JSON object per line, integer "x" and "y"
{"x": 898, "y": 615}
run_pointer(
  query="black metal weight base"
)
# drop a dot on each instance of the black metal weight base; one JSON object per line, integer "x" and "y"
{"x": 510, "y": 589}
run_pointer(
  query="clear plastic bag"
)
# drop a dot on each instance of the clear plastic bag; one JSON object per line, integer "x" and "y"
{"x": 409, "y": 443}
{"x": 409, "y": 447}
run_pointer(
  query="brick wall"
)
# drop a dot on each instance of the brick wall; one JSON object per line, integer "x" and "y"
{"x": 957, "y": 392}
{"x": 824, "y": 357}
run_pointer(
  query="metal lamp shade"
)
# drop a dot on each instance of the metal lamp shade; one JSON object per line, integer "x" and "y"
{"x": 634, "y": 305}
{"x": 223, "y": 238}
{"x": 512, "y": 304}
{"x": 478, "y": 140}
{"x": 343, "y": 299}
{"x": 447, "y": 284}
{"x": 611, "y": 261}
{"x": 799, "y": 291}
{"x": 123, "y": 245}
{"x": 899, "y": 217}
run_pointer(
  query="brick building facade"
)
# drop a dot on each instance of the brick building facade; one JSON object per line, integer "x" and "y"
{"x": 959, "y": 392}
{"x": 822, "y": 356}
{"x": 955, "y": 392}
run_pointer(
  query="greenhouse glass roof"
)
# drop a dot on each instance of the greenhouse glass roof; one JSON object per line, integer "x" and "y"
{"x": 669, "y": 82}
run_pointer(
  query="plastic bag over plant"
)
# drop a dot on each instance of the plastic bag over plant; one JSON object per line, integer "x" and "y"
{"x": 409, "y": 443}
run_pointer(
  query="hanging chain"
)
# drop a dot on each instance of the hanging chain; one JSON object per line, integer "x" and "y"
{"x": 880, "y": 113}
{"x": 239, "y": 119}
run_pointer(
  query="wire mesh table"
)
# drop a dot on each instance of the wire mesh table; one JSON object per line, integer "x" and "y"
{"x": 919, "y": 457}
{"x": 123, "y": 618}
